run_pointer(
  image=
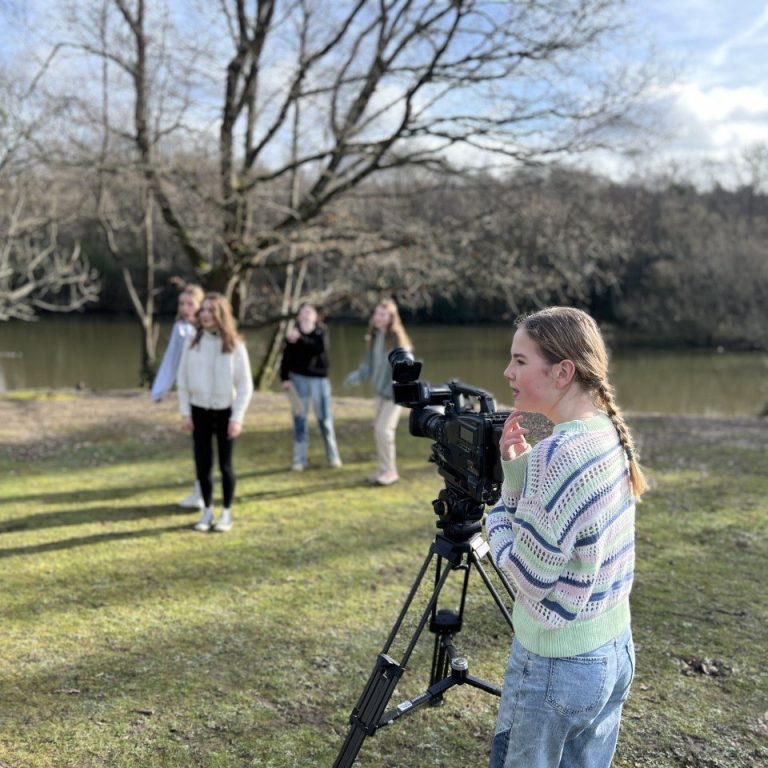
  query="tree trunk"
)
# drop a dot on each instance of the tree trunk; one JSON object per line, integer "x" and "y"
{"x": 270, "y": 364}
{"x": 150, "y": 328}
{"x": 294, "y": 283}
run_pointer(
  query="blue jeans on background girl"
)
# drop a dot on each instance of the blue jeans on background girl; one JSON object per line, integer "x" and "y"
{"x": 563, "y": 712}
{"x": 317, "y": 391}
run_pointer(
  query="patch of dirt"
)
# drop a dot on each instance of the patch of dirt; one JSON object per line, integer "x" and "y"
{"x": 43, "y": 424}
{"x": 40, "y": 424}
{"x": 706, "y": 667}
{"x": 692, "y": 442}
{"x": 733, "y": 432}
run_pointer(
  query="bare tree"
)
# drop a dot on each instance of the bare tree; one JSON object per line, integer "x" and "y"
{"x": 393, "y": 83}
{"x": 400, "y": 84}
{"x": 138, "y": 102}
{"x": 368, "y": 87}
{"x": 37, "y": 271}
{"x": 113, "y": 218}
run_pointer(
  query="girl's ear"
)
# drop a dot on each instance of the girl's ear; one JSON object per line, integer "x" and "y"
{"x": 564, "y": 373}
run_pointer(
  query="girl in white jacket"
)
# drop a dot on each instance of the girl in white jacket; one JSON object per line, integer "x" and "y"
{"x": 215, "y": 387}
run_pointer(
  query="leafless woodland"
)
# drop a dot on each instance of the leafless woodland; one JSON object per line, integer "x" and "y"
{"x": 292, "y": 150}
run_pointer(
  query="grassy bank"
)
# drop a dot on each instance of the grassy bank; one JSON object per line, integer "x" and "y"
{"x": 130, "y": 641}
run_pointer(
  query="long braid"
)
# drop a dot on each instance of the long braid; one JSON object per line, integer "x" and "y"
{"x": 637, "y": 479}
{"x": 567, "y": 333}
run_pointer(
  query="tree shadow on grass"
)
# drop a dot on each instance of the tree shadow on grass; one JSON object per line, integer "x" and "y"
{"x": 90, "y": 495}
{"x": 243, "y": 563}
{"x": 79, "y": 541}
{"x": 113, "y": 493}
{"x": 56, "y": 519}
{"x": 319, "y": 487}
{"x": 112, "y": 514}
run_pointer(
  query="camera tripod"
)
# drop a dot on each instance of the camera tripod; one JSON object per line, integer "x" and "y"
{"x": 457, "y": 547}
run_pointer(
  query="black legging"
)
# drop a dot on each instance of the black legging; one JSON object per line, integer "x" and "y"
{"x": 207, "y": 424}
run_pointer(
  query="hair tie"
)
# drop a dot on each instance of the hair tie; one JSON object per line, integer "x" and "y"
{"x": 630, "y": 454}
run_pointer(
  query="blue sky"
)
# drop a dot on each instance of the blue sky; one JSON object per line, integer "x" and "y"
{"x": 717, "y": 51}
{"x": 714, "y": 52}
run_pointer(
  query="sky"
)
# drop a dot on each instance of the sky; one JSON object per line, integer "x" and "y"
{"x": 716, "y": 100}
{"x": 718, "y": 104}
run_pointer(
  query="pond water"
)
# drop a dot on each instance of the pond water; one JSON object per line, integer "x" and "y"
{"x": 104, "y": 353}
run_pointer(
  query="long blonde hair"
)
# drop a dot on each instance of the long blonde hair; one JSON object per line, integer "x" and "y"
{"x": 566, "y": 333}
{"x": 395, "y": 334}
{"x": 227, "y": 327}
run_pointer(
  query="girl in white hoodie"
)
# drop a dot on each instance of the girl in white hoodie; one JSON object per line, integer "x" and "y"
{"x": 215, "y": 387}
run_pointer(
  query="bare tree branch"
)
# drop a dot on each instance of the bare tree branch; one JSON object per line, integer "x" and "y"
{"x": 36, "y": 272}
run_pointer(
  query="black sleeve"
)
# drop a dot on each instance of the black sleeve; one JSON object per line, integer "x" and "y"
{"x": 285, "y": 362}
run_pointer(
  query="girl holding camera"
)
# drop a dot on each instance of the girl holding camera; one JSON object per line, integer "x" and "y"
{"x": 564, "y": 533}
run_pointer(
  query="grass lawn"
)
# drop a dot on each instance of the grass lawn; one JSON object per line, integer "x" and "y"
{"x": 130, "y": 641}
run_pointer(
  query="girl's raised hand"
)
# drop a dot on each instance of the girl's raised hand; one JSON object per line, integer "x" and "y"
{"x": 513, "y": 442}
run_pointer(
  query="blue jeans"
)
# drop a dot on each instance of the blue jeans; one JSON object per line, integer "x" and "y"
{"x": 563, "y": 712}
{"x": 317, "y": 391}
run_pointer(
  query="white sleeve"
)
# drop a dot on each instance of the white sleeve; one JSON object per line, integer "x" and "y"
{"x": 243, "y": 381}
{"x": 182, "y": 384}
{"x": 166, "y": 374}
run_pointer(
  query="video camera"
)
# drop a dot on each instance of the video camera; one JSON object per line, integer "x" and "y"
{"x": 466, "y": 435}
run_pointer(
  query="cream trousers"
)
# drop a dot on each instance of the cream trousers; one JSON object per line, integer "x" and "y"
{"x": 386, "y": 416}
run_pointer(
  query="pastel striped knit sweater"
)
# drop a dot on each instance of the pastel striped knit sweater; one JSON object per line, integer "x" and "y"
{"x": 564, "y": 532}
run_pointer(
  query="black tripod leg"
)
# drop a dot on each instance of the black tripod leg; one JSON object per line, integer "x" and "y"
{"x": 439, "y": 662}
{"x": 366, "y": 717}
{"x": 408, "y": 600}
{"x": 479, "y": 550}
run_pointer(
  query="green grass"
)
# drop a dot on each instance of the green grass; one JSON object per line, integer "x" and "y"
{"x": 130, "y": 641}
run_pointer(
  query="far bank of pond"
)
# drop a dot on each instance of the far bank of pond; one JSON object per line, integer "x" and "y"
{"x": 103, "y": 353}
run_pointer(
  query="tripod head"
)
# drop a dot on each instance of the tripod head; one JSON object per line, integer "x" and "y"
{"x": 459, "y": 516}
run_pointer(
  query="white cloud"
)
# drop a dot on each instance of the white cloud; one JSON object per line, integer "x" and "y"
{"x": 719, "y": 107}
{"x": 715, "y": 105}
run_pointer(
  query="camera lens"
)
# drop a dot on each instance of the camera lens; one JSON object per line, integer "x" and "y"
{"x": 400, "y": 354}
{"x": 404, "y": 368}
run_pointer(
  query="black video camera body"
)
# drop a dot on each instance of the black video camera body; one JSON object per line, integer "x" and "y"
{"x": 466, "y": 440}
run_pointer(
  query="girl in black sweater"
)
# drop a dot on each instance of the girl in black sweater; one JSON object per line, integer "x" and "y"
{"x": 304, "y": 375}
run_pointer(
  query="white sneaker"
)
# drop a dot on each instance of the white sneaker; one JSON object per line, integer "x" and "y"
{"x": 194, "y": 499}
{"x": 296, "y": 467}
{"x": 388, "y": 478}
{"x": 206, "y": 520}
{"x": 225, "y": 521}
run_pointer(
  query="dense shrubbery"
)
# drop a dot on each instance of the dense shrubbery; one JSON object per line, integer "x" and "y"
{"x": 668, "y": 261}
{"x": 671, "y": 262}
